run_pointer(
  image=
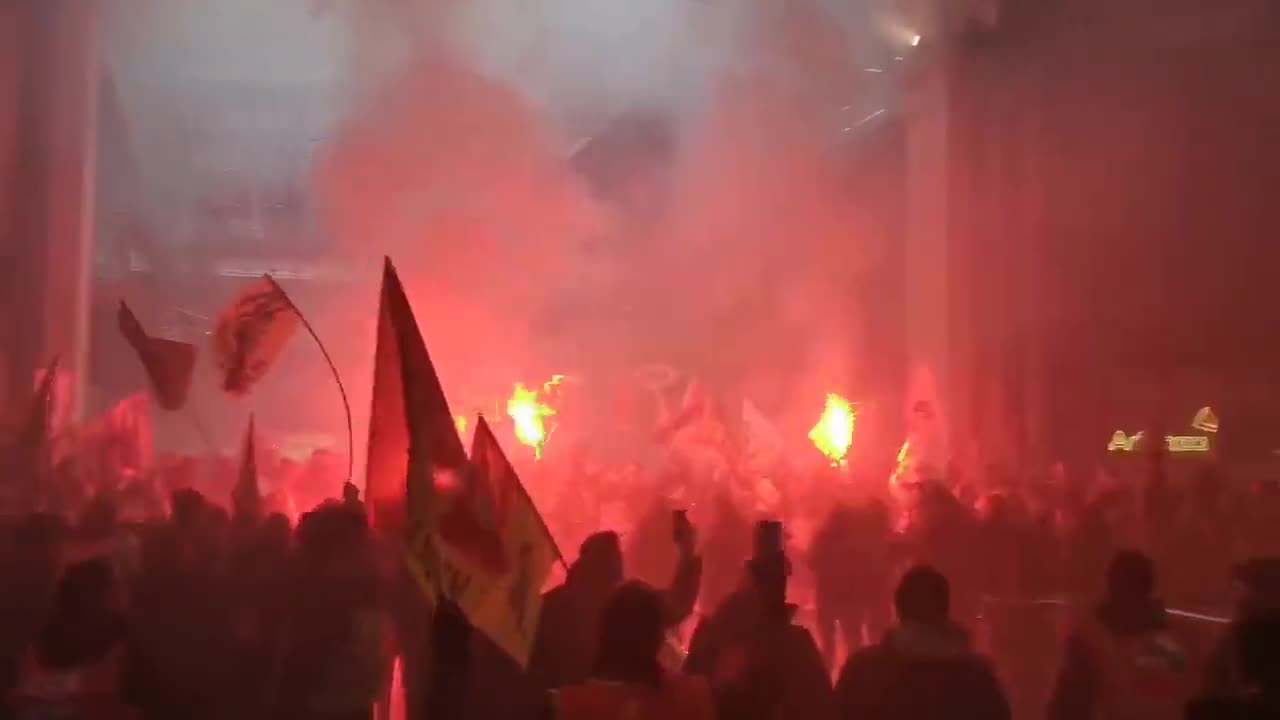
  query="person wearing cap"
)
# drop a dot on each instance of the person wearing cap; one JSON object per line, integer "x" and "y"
{"x": 627, "y": 679}
{"x": 1122, "y": 660}
{"x": 1258, "y": 581}
{"x": 759, "y": 662}
{"x": 924, "y": 667}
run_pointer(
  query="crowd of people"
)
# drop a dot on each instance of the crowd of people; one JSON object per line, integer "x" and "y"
{"x": 929, "y": 601}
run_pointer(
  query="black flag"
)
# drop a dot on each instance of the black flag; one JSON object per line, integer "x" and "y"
{"x": 168, "y": 363}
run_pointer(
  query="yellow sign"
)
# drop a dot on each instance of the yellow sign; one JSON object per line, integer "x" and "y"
{"x": 1121, "y": 442}
{"x": 1205, "y": 420}
{"x": 1187, "y": 443}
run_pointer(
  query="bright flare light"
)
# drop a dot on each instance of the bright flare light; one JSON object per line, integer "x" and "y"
{"x": 460, "y": 422}
{"x": 529, "y": 414}
{"x": 904, "y": 464}
{"x": 833, "y": 435}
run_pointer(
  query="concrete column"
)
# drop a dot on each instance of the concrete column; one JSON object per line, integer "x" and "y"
{"x": 48, "y": 126}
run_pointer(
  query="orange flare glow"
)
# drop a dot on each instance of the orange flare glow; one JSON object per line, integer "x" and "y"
{"x": 833, "y": 435}
{"x": 460, "y": 422}
{"x": 529, "y": 413}
{"x": 904, "y": 464}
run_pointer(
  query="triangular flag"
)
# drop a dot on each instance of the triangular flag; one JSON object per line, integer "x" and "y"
{"x": 409, "y": 416}
{"x": 168, "y": 363}
{"x": 408, "y": 494}
{"x": 246, "y": 497}
{"x": 252, "y": 333}
{"x": 510, "y": 610}
{"x": 470, "y": 528}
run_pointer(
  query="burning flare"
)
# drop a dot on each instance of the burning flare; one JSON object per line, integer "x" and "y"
{"x": 903, "y": 466}
{"x": 460, "y": 422}
{"x": 834, "y": 432}
{"x": 528, "y": 411}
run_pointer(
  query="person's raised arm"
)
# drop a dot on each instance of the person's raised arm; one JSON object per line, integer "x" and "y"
{"x": 682, "y": 594}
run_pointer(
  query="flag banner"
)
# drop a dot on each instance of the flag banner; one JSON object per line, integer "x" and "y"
{"x": 387, "y": 461}
{"x": 472, "y": 534}
{"x": 252, "y": 333}
{"x": 509, "y": 612}
{"x": 409, "y": 419}
{"x": 246, "y": 496}
{"x": 168, "y": 363}
{"x": 117, "y": 446}
{"x": 417, "y": 465}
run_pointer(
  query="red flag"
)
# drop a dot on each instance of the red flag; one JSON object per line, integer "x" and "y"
{"x": 168, "y": 363}
{"x": 246, "y": 497}
{"x": 410, "y": 417}
{"x": 252, "y": 333}
{"x": 118, "y": 443}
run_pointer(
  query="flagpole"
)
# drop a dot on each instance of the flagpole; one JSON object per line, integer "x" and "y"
{"x": 197, "y": 420}
{"x": 346, "y": 404}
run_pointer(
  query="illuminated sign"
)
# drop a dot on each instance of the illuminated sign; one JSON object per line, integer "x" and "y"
{"x": 1205, "y": 420}
{"x": 1121, "y": 442}
{"x": 1187, "y": 443}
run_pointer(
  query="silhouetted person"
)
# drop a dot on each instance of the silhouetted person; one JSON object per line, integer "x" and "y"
{"x": 30, "y": 571}
{"x": 850, "y": 558}
{"x": 761, "y": 663}
{"x": 1259, "y": 581}
{"x": 627, "y": 680}
{"x": 337, "y": 634}
{"x": 1259, "y": 657}
{"x": 727, "y": 541}
{"x": 924, "y": 667}
{"x": 76, "y": 667}
{"x": 1122, "y": 660}
{"x": 565, "y": 645}
{"x": 946, "y": 535}
{"x": 182, "y": 642}
{"x": 257, "y": 584}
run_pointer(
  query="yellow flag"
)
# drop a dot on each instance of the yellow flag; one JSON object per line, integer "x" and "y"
{"x": 510, "y": 610}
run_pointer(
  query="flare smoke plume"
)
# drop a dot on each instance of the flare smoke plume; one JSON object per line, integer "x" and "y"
{"x": 587, "y": 187}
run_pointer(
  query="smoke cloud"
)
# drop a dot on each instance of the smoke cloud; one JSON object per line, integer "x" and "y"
{"x": 591, "y": 187}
